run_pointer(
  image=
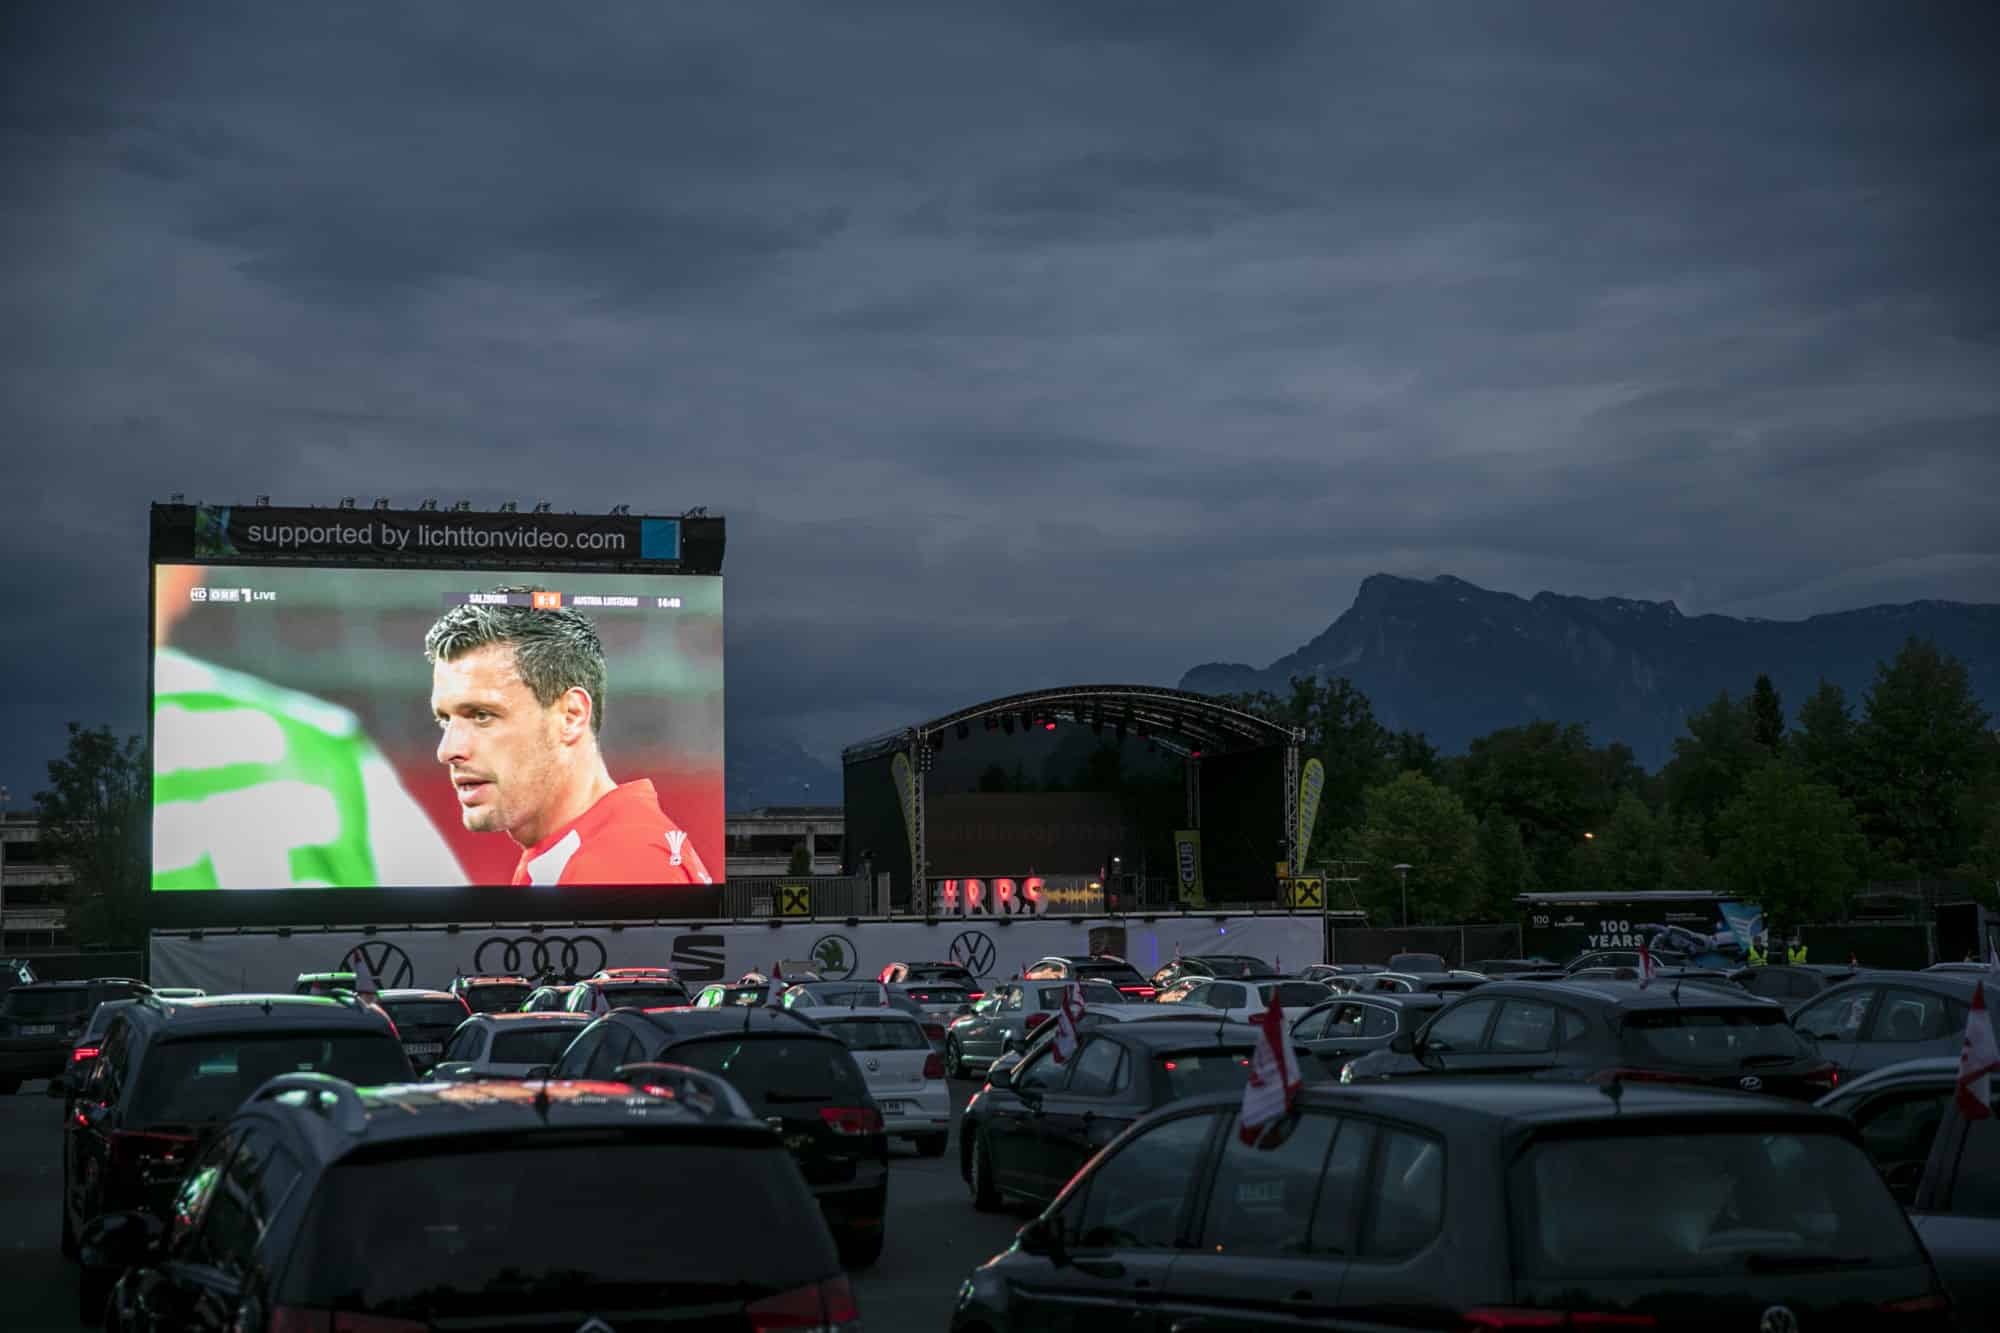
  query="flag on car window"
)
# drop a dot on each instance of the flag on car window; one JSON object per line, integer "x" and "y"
{"x": 1977, "y": 1059}
{"x": 1649, "y": 966}
{"x": 1274, "y": 1075}
{"x": 1067, "y": 1014}
{"x": 776, "y": 983}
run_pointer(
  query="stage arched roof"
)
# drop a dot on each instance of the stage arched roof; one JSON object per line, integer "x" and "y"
{"x": 1179, "y": 720}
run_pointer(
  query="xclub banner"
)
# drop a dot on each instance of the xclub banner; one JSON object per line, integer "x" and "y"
{"x": 702, "y": 952}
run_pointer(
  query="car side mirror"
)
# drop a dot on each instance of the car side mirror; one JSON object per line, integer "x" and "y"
{"x": 121, "y": 1240}
{"x": 538, "y": 1071}
{"x": 1404, "y": 1043}
{"x": 1043, "y": 1237}
{"x": 1000, "y": 1078}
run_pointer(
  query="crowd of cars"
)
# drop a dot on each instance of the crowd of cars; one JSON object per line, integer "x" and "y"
{"x": 1505, "y": 1145}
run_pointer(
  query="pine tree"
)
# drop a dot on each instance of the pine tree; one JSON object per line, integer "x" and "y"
{"x": 1921, "y": 747}
{"x": 1767, "y": 715}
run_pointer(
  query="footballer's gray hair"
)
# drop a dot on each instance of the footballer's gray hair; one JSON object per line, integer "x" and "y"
{"x": 554, "y": 650}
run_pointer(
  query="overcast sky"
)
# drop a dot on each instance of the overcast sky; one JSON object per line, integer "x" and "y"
{"x": 1020, "y": 342}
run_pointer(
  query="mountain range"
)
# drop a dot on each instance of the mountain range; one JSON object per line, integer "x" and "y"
{"x": 1456, "y": 661}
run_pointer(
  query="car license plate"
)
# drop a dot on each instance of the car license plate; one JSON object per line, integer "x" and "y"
{"x": 892, "y": 1108}
{"x": 38, "y": 1030}
{"x": 424, "y": 1047}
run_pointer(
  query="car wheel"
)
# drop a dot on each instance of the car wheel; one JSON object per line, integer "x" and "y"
{"x": 954, "y": 1059}
{"x": 860, "y": 1249}
{"x": 932, "y": 1145}
{"x": 985, "y": 1194}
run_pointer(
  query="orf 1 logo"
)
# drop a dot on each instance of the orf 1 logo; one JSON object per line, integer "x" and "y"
{"x": 548, "y": 601}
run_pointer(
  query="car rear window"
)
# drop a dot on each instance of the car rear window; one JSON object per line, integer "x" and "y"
{"x": 878, "y": 1034}
{"x": 949, "y": 975}
{"x": 1191, "y": 1073}
{"x": 1292, "y": 994}
{"x": 1118, "y": 974}
{"x": 442, "y": 1236}
{"x": 1709, "y": 1037}
{"x": 936, "y": 994}
{"x": 773, "y": 1069}
{"x": 537, "y": 1045}
{"x": 200, "y": 1079}
{"x": 425, "y": 1013}
{"x": 1723, "y": 1202}
{"x": 646, "y": 996}
{"x": 30, "y": 1005}
{"x": 495, "y": 999}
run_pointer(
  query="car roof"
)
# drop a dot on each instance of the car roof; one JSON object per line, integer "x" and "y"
{"x": 833, "y": 1012}
{"x": 633, "y": 983}
{"x": 1939, "y": 1068}
{"x": 1610, "y": 993}
{"x": 223, "y": 1013}
{"x": 1526, "y": 1104}
{"x": 539, "y": 1016}
{"x": 497, "y": 979}
{"x": 1422, "y": 999}
{"x": 748, "y": 1019}
{"x": 1182, "y": 1031}
{"x": 83, "y": 984}
{"x": 417, "y": 993}
{"x": 1958, "y": 985}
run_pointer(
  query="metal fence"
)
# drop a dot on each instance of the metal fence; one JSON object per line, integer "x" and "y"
{"x": 780, "y": 896}
{"x": 1457, "y": 945}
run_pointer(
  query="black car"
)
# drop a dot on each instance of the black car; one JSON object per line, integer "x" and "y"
{"x": 1418, "y": 983}
{"x": 1614, "y": 1031}
{"x": 1101, "y": 966}
{"x": 1031, "y": 1127}
{"x": 1884, "y": 1018}
{"x": 802, "y": 1081}
{"x": 597, "y": 995}
{"x": 83, "y": 1055}
{"x": 1210, "y": 965}
{"x": 1506, "y": 967}
{"x": 40, "y": 1022}
{"x": 425, "y": 1020}
{"x": 943, "y": 974}
{"x": 491, "y": 995}
{"x": 1897, "y": 1110}
{"x": 1350, "y": 1026}
{"x": 323, "y": 1206}
{"x": 170, "y": 1074}
{"x": 1792, "y": 984}
{"x": 1568, "y": 1209}
{"x": 1418, "y": 962}
{"x": 1327, "y": 973}
{"x": 1957, "y": 1211}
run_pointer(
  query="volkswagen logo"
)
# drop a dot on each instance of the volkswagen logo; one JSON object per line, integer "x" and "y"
{"x": 532, "y": 955}
{"x": 388, "y": 963}
{"x": 974, "y": 949}
{"x": 1778, "y": 1319}
{"x": 1751, "y": 1083}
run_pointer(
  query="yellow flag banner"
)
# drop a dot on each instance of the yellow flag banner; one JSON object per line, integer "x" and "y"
{"x": 1311, "y": 783}
{"x": 1187, "y": 867}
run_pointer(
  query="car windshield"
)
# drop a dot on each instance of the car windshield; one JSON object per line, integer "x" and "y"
{"x": 425, "y": 1013}
{"x": 540, "y": 1044}
{"x": 1229, "y": 965}
{"x": 1191, "y": 1073}
{"x": 36, "y": 1006}
{"x": 878, "y": 1034}
{"x": 645, "y": 997}
{"x": 205, "y": 1078}
{"x": 950, "y": 976}
{"x": 441, "y": 1235}
{"x": 1118, "y": 974}
{"x": 1711, "y": 1037}
{"x": 775, "y": 1070}
{"x": 1728, "y": 1201}
{"x": 495, "y": 999}
{"x": 1292, "y": 994}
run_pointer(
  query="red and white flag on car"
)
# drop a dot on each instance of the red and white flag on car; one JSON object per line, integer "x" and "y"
{"x": 1274, "y": 1075}
{"x": 1649, "y": 967}
{"x": 775, "y": 984}
{"x": 1067, "y": 1014}
{"x": 1977, "y": 1060}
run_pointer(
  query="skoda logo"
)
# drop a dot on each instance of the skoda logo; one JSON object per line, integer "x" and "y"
{"x": 532, "y": 955}
{"x": 835, "y": 957}
{"x": 1750, "y": 1083}
{"x": 1778, "y": 1319}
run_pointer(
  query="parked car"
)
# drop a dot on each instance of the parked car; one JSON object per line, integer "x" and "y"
{"x": 597, "y": 995}
{"x": 1419, "y": 983}
{"x": 631, "y": 973}
{"x": 1504, "y": 967}
{"x": 904, "y": 1073}
{"x": 1608, "y": 1031}
{"x": 1102, "y": 966}
{"x": 1000, "y": 1021}
{"x": 1349, "y": 1026}
{"x": 323, "y": 983}
{"x": 1246, "y": 999}
{"x": 167, "y": 1078}
{"x": 1568, "y": 1209}
{"x": 1034, "y": 1126}
{"x": 1418, "y": 962}
{"x": 494, "y": 994}
{"x": 179, "y": 992}
{"x": 1210, "y": 965}
{"x": 1326, "y": 973}
{"x": 1957, "y": 1212}
{"x": 507, "y": 1045}
{"x": 1885, "y": 1018}
{"x": 1792, "y": 984}
{"x": 83, "y": 1055}
{"x": 425, "y": 1020}
{"x": 544, "y": 999}
{"x": 724, "y": 994}
{"x": 41, "y": 1021}
{"x": 948, "y": 974}
{"x": 1897, "y": 1110}
{"x": 323, "y": 1206}
{"x": 802, "y": 1081}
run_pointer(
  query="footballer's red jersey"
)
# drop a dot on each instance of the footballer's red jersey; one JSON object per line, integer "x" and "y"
{"x": 623, "y": 839}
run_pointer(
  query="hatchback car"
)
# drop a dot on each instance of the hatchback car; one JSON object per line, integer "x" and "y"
{"x": 725, "y": 994}
{"x": 1245, "y": 999}
{"x": 1103, "y": 966}
{"x": 802, "y": 1081}
{"x": 945, "y": 974}
{"x": 486, "y": 1206}
{"x": 904, "y": 1073}
{"x": 999, "y": 1022}
{"x": 492, "y": 995}
{"x": 425, "y": 1020}
{"x": 1792, "y": 984}
{"x": 1608, "y": 1031}
{"x": 508, "y": 1045}
{"x": 41, "y": 1021}
{"x": 1567, "y": 1209}
{"x": 1349, "y": 1026}
{"x": 1885, "y": 1018}
{"x": 1210, "y": 965}
{"x": 596, "y": 996}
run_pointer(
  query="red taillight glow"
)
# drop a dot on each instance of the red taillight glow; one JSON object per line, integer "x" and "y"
{"x": 933, "y": 1065}
{"x": 1036, "y": 1020}
{"x": 296, "y": 1319}
{"x": 1826, "y": 1076}
{"x": 166, "y": 1149}
{"x": 1929, "y": 1303}
{"x": 1502, "y": 1317}
{"x": 82, "y": 1053}
{"x": 824, "y": 1306}
{"x": 852, "y": 1120}
{"x": 934, "y": 1031}
{"x": 1147, "y": 991}
{"x": 976, "y": 995}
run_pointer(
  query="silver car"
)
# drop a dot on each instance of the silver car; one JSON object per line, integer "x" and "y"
{"x": 508, "y": 1045}
{"x": 999, "y": 1022}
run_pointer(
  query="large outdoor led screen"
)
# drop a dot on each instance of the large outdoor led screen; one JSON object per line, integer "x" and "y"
{"x": 328, "y": 728}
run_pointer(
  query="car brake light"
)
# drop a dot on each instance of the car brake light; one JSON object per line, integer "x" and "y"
{"x": 1502, "y": 1317}
{"x": 82, "y": 1053}
{"x": 1138, "y": 990}
{"x": 976, "y": 995}
{"x": 820, "y": 1307}
{"x": 933, "y": 1065}
{"x": 297, "y": 1319}
{"x": 1036, "y": 1020}
{"x": 1929, "y": 1303}
{"x": 934, "y": 1031}
{"x": 1826, "y": 1076}
{"x": 852, "y": 1120}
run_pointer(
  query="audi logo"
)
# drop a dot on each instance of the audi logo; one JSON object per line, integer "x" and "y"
{"x": 532, "y": 955}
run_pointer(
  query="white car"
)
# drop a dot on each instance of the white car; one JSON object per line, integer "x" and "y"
{"x": 1244, "y": 1000}
{"x": 508, "y": 1045}
{"x": 904, "y": 1074}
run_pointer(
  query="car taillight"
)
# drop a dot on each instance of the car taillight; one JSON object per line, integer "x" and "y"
{"x": 933, "y": 1065}
{"x": 976, "y": 995}
{"x": 1496, "y": 1316}
{"x": 934, "y": 1031}
{"x": 1931, "y": 1302}
{"x": 1036, "y": 1020}
{"x": 852, "y": 1120}
{"x": 1826, "y": 1076}
{"x": 82, "y": 1053}
{"x": 821, "y": 1307}
{"x": 1147, "y": 992}
{"x": 297, "y": 1319}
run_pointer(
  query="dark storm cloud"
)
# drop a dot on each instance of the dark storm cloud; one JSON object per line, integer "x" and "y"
{"x": 1020, "y": 343}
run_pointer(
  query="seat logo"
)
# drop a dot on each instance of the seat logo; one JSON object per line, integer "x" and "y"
{"x": 1778, "y": 1319}
{"x": 1751, "y": 1083}
{"x": 535, "y": 954}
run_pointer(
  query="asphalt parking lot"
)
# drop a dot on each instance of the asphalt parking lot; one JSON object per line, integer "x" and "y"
{"x": 934, "y": 1236}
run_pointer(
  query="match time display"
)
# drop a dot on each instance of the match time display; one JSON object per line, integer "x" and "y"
{"x": 395, "y": 728}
